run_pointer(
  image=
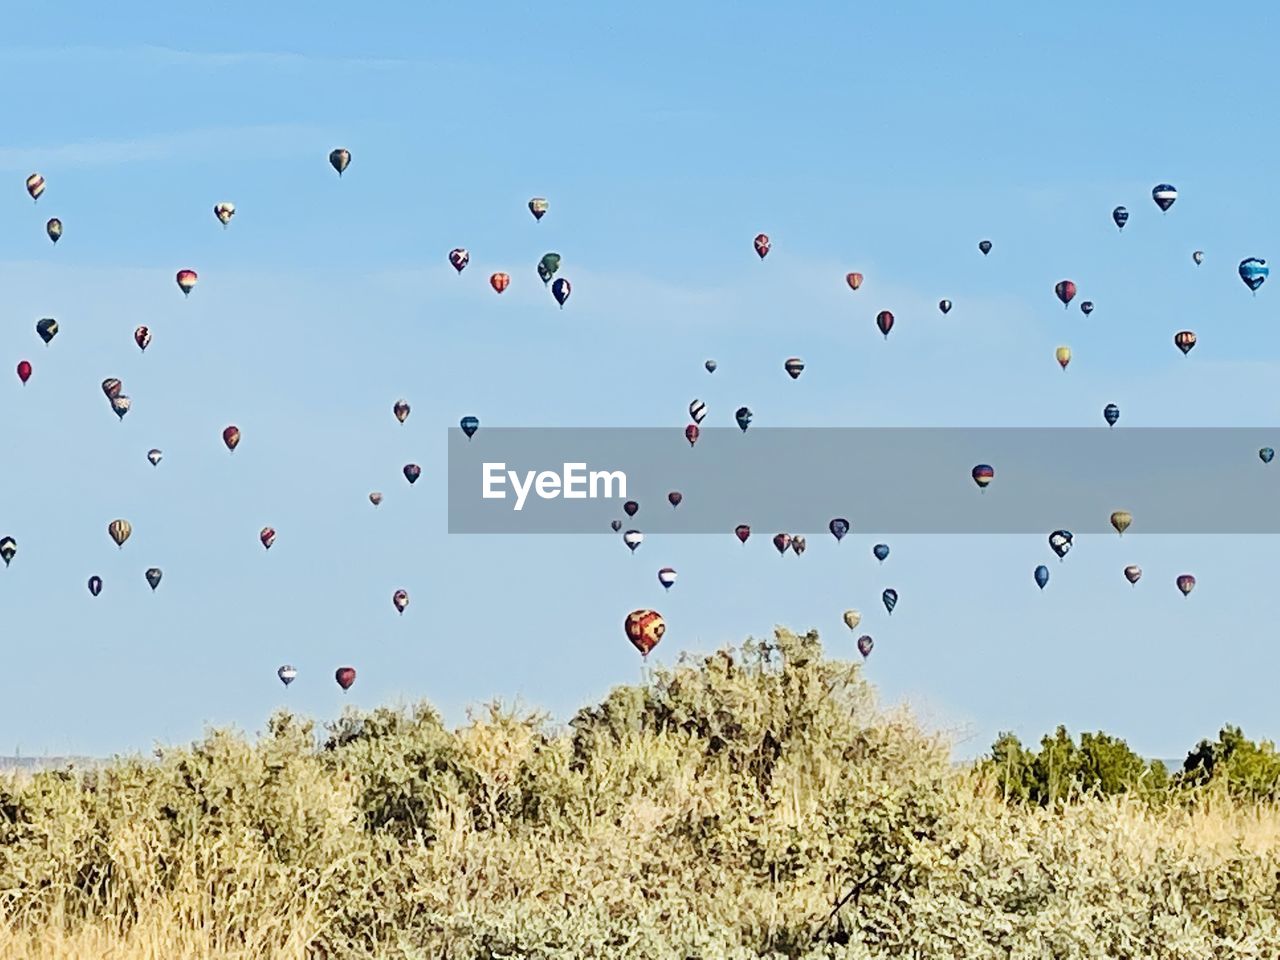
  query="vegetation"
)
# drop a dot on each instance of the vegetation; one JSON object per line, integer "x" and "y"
{"x": 755, "y": 803}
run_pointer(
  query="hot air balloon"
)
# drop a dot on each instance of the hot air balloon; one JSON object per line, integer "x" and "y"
{"x": 630, "y": 508}
{"x": 345, "y": 677}
{"x": 854, "y": 280}
{"x": 401, "y": 410}
{"x": 8, "y": 549}
{"x": 880, "y": 551}
{"x": 120, "y": 406}
{"x": 268, "y": 537}
{"x": 412, "y": 472}
{"x": 1265, "y": 454}
{"x": 675, "y": 497}
{"x": 865, "y": 645}
{"x": 111, "y": 387}
{"x": 95, "y": 586}
{"x": 633, "y": 539}
{"x": 1186, "y": 583}
{"x": 798, "y": 545}
{"x": 838, "y": 527}
{"x": 1060, "y": 542}
{"x": 1087, "y": 307}
{"x": 548, "y": 266}
{"x": 400, "y": 600}
{"x": 890, "y": 598}
{"x": 1111, "y": 414}
{"x": 1121, "y": 519}
{"x": 711, "y": 366}
{"x": 984, "y": 246}
{"x": 852, "y": 618}
{"x": 499, "y": 281}
{"x": 469, "y": 426}
{"x": 538, "y": 207}
{"x": 1253, "y": 272}
{"x": 119, "y": 531}
{"x": 1042, "y": 576}
{"x": 762, "y": 245}
{"x": 742, "y": 531}
{"x": 697, "y": 410}
{"x": 615, "y": 525}
{"x": 1133, "y": 573}
{"x": 884, "y": 320}
{"x": 1064, "y": 356}
{"x": 743, "y": 416}
{"x": 231, "y": 437}
{"x": 24, "y": 370}
{"x": 339, "y": 159}
{"x": 375, "y": 498}
{"x": 459, "y": 258}
{"x": 1184, "y": 340}
{"x": 142, "y": 337}
{"x": 782, "y": 541}
{"x": 224, "y": 212}
{"x": 186, "y": 281}
{"x": 1198, "y": 257}
{"x": 944, "y": 306}
{"x": 666, "y": 577}
{"x": 54, "y": 229}
{"x": 691, "y": 433}
{"x": 47, "y": 329}
{"x": 35, "y": 186}
{"x": 561, "y": 290}
{"x": 287, "y": 674}
{"x": 1164, "y": 194}
{"x": 1121, "y": 216}
{"x": 794, "y": 367}
{"x": 154, "y": 456}
{"x": 154, "y": 576}
{"x": 1065, "y": 290}
{"x": 644, "y": 628}
{"x": 983, "y": 474}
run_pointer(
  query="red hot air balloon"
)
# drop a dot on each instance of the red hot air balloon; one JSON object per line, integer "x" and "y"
{"x": 762, "y": 245}
{"x": 142, "y": 337}
{"x": 345, "y": 676}
{"x": 854, "y": 280}
{"x": 674, "y": 498}
{"x": 268, "y": 537}
{"x": 24, "y": 371}
{"x": 186, "y": 281}
{"x": 691, "y": 433}
{"x": 231, "y": 437}
{"x": 884, "y": 320}
{"x": 644, "y": 628}
{"x": 742, "y": 531}
{"x": 1065, "y": 290}
{"x": 499, "y": 281}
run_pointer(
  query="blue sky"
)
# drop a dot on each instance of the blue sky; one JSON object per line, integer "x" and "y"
{"x": 665, "y": 137}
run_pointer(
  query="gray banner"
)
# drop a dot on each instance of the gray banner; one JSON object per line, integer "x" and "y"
{"x": 881, "y": 480}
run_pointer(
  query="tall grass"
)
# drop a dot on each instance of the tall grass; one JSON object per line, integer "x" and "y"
{"x": 755, "y": 803}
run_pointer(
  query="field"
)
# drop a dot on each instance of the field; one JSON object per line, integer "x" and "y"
{"x": 752, "y": 803}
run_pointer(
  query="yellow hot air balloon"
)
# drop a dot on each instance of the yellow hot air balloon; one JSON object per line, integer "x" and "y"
{"x": 1064, "y": 356}
{"x": 852, "y": 618}
{"x": 1121, "y": 520}
{"x": 119, "y": 530}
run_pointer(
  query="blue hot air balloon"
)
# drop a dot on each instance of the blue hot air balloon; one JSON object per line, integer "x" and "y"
{"x": 1265, "y": 454}
{"x": 890, "y": 598}
{"x": 1121, "y": 216}
{"x": 1042, "y": 576}
{"x": 1164, "y": 194}
{"x": 743, "y": 416}
{"x": 1060, "y": 542}
{"x": 1111, "y": 413}
{"x": 1254, "y": 272}
{"x": 469, "y": 426}
{"x": 838, "y": 527}
{"x": 881, "y": 551}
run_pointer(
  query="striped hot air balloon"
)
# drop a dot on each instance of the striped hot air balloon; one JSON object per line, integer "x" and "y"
{"x": 268, "y": 537}
{"x": 697, "y": 410}
{"x": 119, "y": 531}
{"x": 983, "y": 474}
{"x": 186, "y": 281}
{"x": 884, "y": 321}
{"x": 8, "y": 549}
{"x": 1164, "y": 194}
{"x": 1184, "y": 340}
{"x": 854, "y": 280}
{"x": 35, "y": 186}
{"x": 1186, "y": 583}
{"x": 794, "y": 367}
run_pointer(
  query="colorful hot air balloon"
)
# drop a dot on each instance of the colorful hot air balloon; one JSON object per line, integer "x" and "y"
{"x": 142, "y": 337}
{"x": 691, "y": 433}
{"x": 984, "y": 246}
{"x": 794, "y": 367}
{"x": 1265, "y": 454}
{"x": 469, "y": 426}
{"x": 119, "y": 531}
{"x": 838, "y": 527}
{"x": 1121, "y": 216}
{"x": 675, "y": 498}
{"x": 345, "y": 677}
{"x": 120, "y": 405}
{"x": 459, "y": 258}
{"x": 224, "y": 212}
{"x": 35, "y": 186}
{"x": 742, "y": 531}
{"x": 697, "y": 410}
{"x": 231, "y": 437}
{"x": 111, "y": 387}
{"x": 95, "y": 586}
{"x": 798, "y": 545}
{"x": 1198, "y": 257}
{"x": 24, "y": 370}
{"x": 644, "y": 628}
{"x": 499, "y": 281}
{"x": 1133, "y": 573}
{"x": 865, "y": 645}
{"x": 47, "y": 329}
{"x": 854, "y": 280}
{"x": 1164, "y": 194}
{"x": 1184, "y": 340}
{"x": 1253, "y": 272}
{"x": 54, "y": 229}
{"x": 186, "y": 281}
{"x": 154, "y": 575}
{"x": 561, "y": 290}
{"x": 743, "y": 416}
{"x": 852, "y": 618}
{"x": 1111, "y": 414}
{"x": 880, "y": 551}
{"x": 287, "y": 674}
{"x": 633, "y": 539}
{"x": 340, "y": 159}
{"x": 400, "y": 600}
{"x": 711, "y": 366}
{"x": 1064, "y": 356}
{"x": 630, "y": 508}
{"x": 1186, "y": 583}
{"x": 1042, "y": 576}
{"x": 983, "y": 474}
{"x": 666, "y": 577}
{"x": 412, "y": 472}
{"x": 944, "y": 306}
{"x": 1121, "y": 519}
{"x": 8, "y": 549}
{"x": 1060, "y": 542}
{"x": 401, "y": 410}
{"x": 375, "y": 497}
{"x": 268, "y": 537}
{"x": 1087, "y": 307}
{"x": 782, "y": 541}
{"x": 154, "y": 456}
{"x": 884, "y": 320}
{"x": 762, "y": 245}
{"x": 1065, "y": 290}
{"x": 890, "y": 598}
{"x": 538, "y": 207}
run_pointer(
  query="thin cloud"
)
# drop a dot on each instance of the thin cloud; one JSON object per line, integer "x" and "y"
{"x": 172, "y": 56}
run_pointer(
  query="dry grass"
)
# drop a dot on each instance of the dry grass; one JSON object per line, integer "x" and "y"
{"x": 752, "y": 805}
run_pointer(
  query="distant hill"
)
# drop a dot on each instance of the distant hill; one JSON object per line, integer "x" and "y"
{"x": 33, "y": 764}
